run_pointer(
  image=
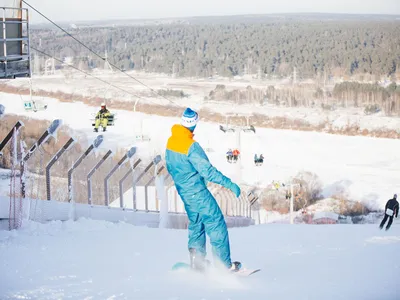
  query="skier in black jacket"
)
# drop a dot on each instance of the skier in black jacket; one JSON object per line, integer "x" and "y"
{"x": 391, "y": 210}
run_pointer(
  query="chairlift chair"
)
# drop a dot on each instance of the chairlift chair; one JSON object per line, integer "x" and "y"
{"x": 110, "y": 119}
{"x": 248, "y": 127}
{"x": 142, "y": 138}
{"x": 139, "y": 135}
{"x": 230, "y": 128}
{"x": 30, "y": 105}
{"x": 227, "y": 127}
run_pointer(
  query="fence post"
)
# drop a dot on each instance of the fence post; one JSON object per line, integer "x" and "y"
{"x": 90, "y": 174}
{"x": 16, "y": 209}
{"x": 146, "y": 196}
{"x": 16, "y": 127}
{"x": 155, "y": 161}
{"x": 96, "y": 143}
{"x": 52, "y": 162}
{"x": 291, "y": 204}
{"x": 168, "y": 176}
{"x": 224, "y": 201}
{"x": 248, "y": 208}
{"x": 226, "y": 206}
{"x": 121, "y": 190}
{"x": 49, "y": 132}
{"x": 175, "y": 200}
{"x": 252, "y": 202}
{"x": 127, "y": 155}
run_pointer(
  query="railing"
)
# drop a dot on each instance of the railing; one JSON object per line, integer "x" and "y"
{"x": 142, "y": 195}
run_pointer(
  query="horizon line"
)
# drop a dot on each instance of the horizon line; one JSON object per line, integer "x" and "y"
{"x": 227, "y": 15}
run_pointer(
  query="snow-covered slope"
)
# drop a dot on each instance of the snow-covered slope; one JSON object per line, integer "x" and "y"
{"x": 367, "y": 168}
{"x": 100, "y": 260}
{"x": 198, "y": 89}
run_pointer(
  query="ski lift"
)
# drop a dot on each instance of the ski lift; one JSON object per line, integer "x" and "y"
{"x": 110, "y": 122}
{"x": 208, "y": 149}
{"x": 232, "y": 128}
{"x": 31, "y": 105}
{"x": 227, "y": 127}
{"x": 140, "y": 136}
{"x": 248, "y": 127}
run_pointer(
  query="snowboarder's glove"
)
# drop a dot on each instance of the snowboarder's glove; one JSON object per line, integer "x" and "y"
{"x": 235, "y": 189}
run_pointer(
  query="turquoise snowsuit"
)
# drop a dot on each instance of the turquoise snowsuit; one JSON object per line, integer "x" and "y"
{"x": 190, "y": 168}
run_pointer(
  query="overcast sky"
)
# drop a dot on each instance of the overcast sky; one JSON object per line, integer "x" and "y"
{"x": 80, "y": 10}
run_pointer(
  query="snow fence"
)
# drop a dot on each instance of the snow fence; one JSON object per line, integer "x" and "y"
{"x": 46, "y": 211}
{"x": 148, "y": 197}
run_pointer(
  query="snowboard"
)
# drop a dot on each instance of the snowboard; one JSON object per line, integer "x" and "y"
{"x": 242, "y": 272}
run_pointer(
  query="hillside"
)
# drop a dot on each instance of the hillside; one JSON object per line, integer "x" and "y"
{"x": 362, "y": 168}
{"x": 316, "y": 45}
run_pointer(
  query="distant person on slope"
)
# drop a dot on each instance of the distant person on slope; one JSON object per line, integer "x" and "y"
{"x": 258, "y": 160}
{"x": 236, "y": 154}
{"x": 391, "y": 210}
{"x": 229, "y": 155}
{"x": 255, "y": 159}
{"x": 102, "y": 118}
{"x": 190, "y": 168}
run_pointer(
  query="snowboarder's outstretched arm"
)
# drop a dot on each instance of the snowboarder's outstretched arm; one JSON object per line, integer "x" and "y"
{"x": 396, "y": 209}
{"x": 200, "y": 162}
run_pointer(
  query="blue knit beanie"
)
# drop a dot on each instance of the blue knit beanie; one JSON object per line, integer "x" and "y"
{"x": 189, "y": 119}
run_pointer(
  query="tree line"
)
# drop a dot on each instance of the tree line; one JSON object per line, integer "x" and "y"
{"x": 372, "y": 97}
{"x": 315, "y": 47}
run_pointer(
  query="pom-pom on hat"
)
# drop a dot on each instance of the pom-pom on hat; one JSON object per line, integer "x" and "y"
{"x": 189, "y": 119}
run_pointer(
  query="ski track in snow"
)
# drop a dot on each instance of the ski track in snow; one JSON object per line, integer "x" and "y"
{"x": 367, "y": 167}
{"x": 90, "y": 259}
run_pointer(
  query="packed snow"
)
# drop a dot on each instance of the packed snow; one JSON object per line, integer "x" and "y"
{"x": 90, "y": 259}
{"x": 364, "y": 168}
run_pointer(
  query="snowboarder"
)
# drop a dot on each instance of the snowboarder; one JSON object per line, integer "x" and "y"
{"x": 229, "y": 156}
{"x": 391, "y": 210}
{"x": 102, "y": 118}
{"x": 255, "y": 159}
{"x": 236, "y": 154}
{"x": 190, "y": 169}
